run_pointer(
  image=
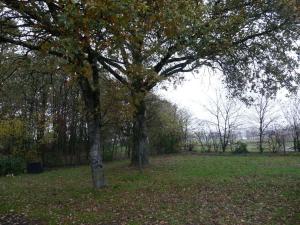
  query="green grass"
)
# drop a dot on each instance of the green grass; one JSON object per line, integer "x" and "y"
{"x": 177, "y": 189}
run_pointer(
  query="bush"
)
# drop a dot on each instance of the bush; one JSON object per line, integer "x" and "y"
{"x": 164, "y": 143}
{"x": 240, "y": 147}
{"x": 11, "y": 165}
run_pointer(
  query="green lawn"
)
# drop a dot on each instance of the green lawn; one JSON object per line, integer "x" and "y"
{"x": 175, "y": 189}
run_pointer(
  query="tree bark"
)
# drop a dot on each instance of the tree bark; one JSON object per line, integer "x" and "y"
{"x": 297, "y": 142}
{"x": 260, "y": 143}
{"x": 42, "y": 125}
{"x": 96, "y": 161}
{"x": 92, "y": 105}
{"x": 261, "y": 134}
{"x": 140, "y": 154}
{"x": 223, "y": 147}
{"x": 283, "y": 143}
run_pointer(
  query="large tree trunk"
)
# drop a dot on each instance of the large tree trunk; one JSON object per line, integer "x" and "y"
{"x": 92, "y": 106}
{"x": 96, "y": 162}
{"x": 140, "y": 154}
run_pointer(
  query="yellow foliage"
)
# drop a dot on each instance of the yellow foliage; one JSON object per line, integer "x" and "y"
{"x": 45, "y": 47}
{"x": 11, "y": 128}
{"x": 12, "y": 136}
{"x": 86, "y": 70}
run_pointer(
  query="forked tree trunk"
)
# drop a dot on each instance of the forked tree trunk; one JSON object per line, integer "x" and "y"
{"x": 140, "y": 154}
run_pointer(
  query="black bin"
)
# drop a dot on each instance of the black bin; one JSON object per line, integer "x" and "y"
{"x": 35, "y": 167}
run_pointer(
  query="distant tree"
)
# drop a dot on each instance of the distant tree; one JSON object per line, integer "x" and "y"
{"x": 251, "y": 133}
{"x": 204, "y": 136}
{"x": 225, "y": 118}
{"x": 277, "y": 138}
{"x": 166, "y": 127}
{"x": 13, "y": 137}
{"x": 291, "y": 111}
{"x": 42, "y": 96}
{"x": 186, "y": 121}
{"x": 264, "y": 115}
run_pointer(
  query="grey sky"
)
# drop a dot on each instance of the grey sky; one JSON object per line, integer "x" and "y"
{"x": 199, "y": 89}
{"x": 194, "y": 92}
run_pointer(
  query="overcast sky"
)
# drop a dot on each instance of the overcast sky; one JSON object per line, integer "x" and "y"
{"x": 194, "y": 92}
{"x": 199, "y": 89}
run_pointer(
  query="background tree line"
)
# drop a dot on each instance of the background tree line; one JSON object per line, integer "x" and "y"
{"x": 42, "y": 116}
{"x": 267, "y": 124}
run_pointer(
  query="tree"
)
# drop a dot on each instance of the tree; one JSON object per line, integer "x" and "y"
{"x": 40, "y": 95}
{"x": 166, "y": 126}
{"x": 141, "y": 43}
{"x": 225, "y": 118}
{"x": 207, "y": 137}
{"x": 277, "y": 138}
{"x": 186, "y": 122}
{"x": 12, "y": 137}
{"x": 291, "y": 112}
{"x": 151, "y": 52}
{"x": 203, "y": 135}
{"x": 55, "y": 30}
{"x": 264, "y": 116}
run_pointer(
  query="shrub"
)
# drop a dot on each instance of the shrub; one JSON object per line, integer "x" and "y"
{"x": 11, "y": 165}
{"x": 162, "y": 143}
{"x": 240, "y": 147}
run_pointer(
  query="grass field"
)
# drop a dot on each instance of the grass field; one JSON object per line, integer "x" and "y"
{"x": 175, "y": 189}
